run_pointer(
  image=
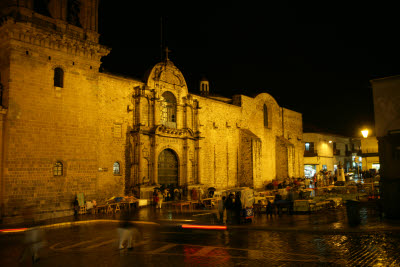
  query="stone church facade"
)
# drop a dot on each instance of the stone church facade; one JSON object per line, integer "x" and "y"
{"x": 66, "y": 128}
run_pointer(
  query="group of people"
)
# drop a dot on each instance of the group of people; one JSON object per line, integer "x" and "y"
{"x": 232, "y": 205}
{"x": 166, "y": 194}
{"x": 289, "y": 182}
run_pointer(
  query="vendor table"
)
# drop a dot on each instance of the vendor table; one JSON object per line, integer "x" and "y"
{"x": 258, "y": 207}
{"x": 322, "y": 204}
{"x": 183, "y": 204}
{"x": 207, "y": 202}
{"x": 107, "y": 208}
{"x": 100, "y": 208}
{"x": 129, "y": 205}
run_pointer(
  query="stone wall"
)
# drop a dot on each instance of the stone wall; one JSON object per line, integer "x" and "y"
{"x": 219, "y": 124}
{"x": 115, "y": 122}
{"x": 46, "y": 124}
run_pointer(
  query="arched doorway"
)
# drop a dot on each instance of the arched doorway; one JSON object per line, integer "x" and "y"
{"x": 168, "y": 168}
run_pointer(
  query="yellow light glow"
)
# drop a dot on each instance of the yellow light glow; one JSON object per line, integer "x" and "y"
{"x": 365, "y": 133}
{"x": 330, "y": 141}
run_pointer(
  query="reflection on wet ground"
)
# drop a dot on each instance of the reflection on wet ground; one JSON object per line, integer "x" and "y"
{"x": 323, "y": 238}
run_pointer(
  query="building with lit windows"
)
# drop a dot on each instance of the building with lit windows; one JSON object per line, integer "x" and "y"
{"x": 324, "y": 151}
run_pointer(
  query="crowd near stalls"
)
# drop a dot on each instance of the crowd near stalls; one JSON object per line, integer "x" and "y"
{"x": 290, "y": 195}
{"x": 323, "y": 191}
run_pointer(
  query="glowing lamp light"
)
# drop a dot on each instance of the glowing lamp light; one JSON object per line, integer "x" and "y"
{"x": 365, "y": 133}
{"x": 330, "y": 141}
{"x": 207, "y": 227}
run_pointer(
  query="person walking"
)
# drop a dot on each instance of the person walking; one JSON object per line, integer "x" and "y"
{"x": 76, "y": 206}
{"x": 229, "y": 208}
{"x": 125, "y": 231}
{"x": 155, "y": 198}
{"x": 221, "y": 209}
{"x": 238, "y": 208}
{"x": 269, "y": 209}
{"x": 34, "y": 239}
{"x": 160, "y": 199}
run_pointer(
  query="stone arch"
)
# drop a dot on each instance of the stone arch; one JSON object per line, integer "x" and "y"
{"x": 168, "y": 167}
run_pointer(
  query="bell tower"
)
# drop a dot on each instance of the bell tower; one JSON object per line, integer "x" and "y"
{"x": 79, "y": 13}
{"x": 204, "y": 87}
{"x": 49, "y": 67}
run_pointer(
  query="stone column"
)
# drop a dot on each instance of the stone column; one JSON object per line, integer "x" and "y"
{"x": 186, "y": 161}
{"x": 199, "y": 162}
{"x": 157, "y": 111}
{"x": 3, "y": 113}
{"x": 179, "y": 116}
{"x": 154, "y": 164}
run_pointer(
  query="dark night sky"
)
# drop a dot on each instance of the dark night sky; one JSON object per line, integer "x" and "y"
{"x": 316, "y": 60}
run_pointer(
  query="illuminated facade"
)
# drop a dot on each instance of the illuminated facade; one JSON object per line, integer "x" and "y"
{"x": 324, "y": 151}
{"x": 387, "y": 128}
{"x": 66, "y": 128}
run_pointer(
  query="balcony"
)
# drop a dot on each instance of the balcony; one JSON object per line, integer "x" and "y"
{"x": 336, "y": 152}
{"x": 310, "y": 153}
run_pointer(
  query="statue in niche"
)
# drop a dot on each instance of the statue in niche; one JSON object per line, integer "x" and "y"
{"x": 74, "y": 7}
{"x": 42, "y": 7}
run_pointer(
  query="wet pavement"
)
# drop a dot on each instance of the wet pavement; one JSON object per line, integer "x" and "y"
{"x": 325, "y": 238}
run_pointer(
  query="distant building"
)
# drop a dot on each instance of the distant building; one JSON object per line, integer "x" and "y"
{"x": 369, "y": 153}
{"x": 386, "y": 92}
{"x": 66, "y": 128}
{"x": 324, "y": 151}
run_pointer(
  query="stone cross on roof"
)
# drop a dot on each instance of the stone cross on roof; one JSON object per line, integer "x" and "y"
{"x": 166, "y": 53}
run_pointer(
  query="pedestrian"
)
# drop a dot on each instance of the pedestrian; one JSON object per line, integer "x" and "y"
{"x": 34, "y": 239}
{"x": 160, "y": 199}
{"x": 221, "y": 209}
{"x": 76, "y": 206}
{"x": 125, "y": 232}
{"x": 269, "y": 208}
{"x": 275, "y": 183}
{"x": 238, "y": 208}
{"x": 315, "y": 180}
{"x": 155, "y": 198}
{"x": 229, "y": 208}
{"x": 176, "y": 194}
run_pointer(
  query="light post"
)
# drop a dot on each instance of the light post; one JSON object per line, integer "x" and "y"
{"x": 365, "y": 133}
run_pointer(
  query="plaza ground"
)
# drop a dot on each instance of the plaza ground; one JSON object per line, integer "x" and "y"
{"x": 323, "y": 238}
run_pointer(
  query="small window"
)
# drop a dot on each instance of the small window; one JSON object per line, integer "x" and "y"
{"x": 58, "y": 77}
{"x": 307, "y": 146}
{"x": 265, "y": 116}
{"x": 116, "y": 169}
{"x": 58, "y": 169}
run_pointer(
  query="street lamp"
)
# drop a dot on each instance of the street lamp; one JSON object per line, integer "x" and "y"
{"x": 365, "y": 133}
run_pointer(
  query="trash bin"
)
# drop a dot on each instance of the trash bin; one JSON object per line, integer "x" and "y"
{"x": 353, "y": 212}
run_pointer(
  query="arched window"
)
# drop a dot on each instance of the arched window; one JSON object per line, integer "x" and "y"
{"x": 116, "y": 168}
{"x": 266, "y": 116}
{"x": 58, "y": 77}
{"x": 58, "y": 169}
{"x": 168, "y": 112}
